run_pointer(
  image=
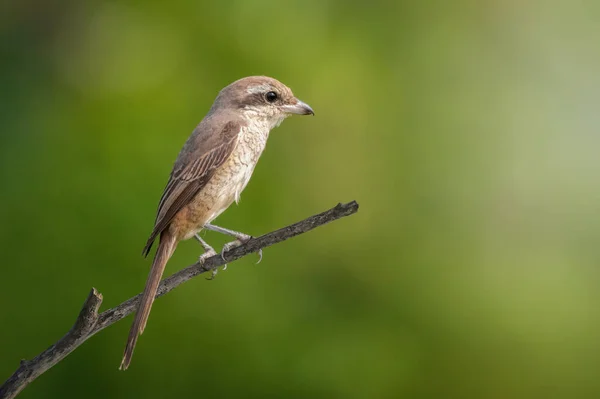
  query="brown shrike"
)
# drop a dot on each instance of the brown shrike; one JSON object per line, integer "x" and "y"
{"x": 210, "y": 173}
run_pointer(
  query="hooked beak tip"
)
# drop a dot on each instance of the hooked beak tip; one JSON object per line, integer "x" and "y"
{"x": 300, "y": 108}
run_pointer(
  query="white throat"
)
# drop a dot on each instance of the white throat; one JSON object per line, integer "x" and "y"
{"x": 259, "y": 119}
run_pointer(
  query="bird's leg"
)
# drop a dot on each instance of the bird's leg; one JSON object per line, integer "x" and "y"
{"x": 208, "y": 252}
{"x": 240, "y": 238}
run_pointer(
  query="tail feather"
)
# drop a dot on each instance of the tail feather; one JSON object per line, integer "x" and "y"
{"x": 148, "y": 245}
{"x": 165, "y": 249}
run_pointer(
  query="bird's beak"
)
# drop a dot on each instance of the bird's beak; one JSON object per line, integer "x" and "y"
{"x": 300, "y": 108}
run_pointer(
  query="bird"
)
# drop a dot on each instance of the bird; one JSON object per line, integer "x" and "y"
{"x": 210, "y": 172}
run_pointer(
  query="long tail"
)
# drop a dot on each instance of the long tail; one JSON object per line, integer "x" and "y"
{"x": 165, "y": 249}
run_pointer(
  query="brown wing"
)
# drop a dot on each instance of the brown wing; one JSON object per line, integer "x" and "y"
{"x": 203, "y": 153}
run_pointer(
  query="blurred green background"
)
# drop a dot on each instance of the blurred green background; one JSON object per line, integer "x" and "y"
{"x": 467, "y": 131}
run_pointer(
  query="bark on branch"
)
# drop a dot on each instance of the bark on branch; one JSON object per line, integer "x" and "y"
{"x": 89, "y": 322}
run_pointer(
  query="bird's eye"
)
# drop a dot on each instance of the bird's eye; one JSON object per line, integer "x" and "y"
{"x": 271, "y": 96}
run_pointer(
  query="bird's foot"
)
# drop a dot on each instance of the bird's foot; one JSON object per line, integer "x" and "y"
{"x": 229, "y": 246}
{"x": 241, "y": 238}
{"x": 209, "y": 252}
{"x": 234, "y": 244}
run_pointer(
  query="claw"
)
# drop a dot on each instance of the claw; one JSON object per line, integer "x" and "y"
{"x": 229, "y": 246}
{"x": 259, "y": 256}
{"x": 213, "y": 273}
{"x": 209, "y": 252}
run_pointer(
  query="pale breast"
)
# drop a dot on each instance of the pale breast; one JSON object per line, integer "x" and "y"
{"x": 228, "y": 182}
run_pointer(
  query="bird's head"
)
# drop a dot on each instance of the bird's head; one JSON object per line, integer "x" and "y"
{"x": 262, "y": 98}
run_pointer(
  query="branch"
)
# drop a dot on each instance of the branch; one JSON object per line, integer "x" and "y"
{"x": 89, "y": 322}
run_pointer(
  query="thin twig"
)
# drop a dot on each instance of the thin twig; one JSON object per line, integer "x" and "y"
{"x": 89, "y": 322}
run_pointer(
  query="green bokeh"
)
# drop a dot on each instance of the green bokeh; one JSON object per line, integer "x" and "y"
{"x": 467, "y": 131}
